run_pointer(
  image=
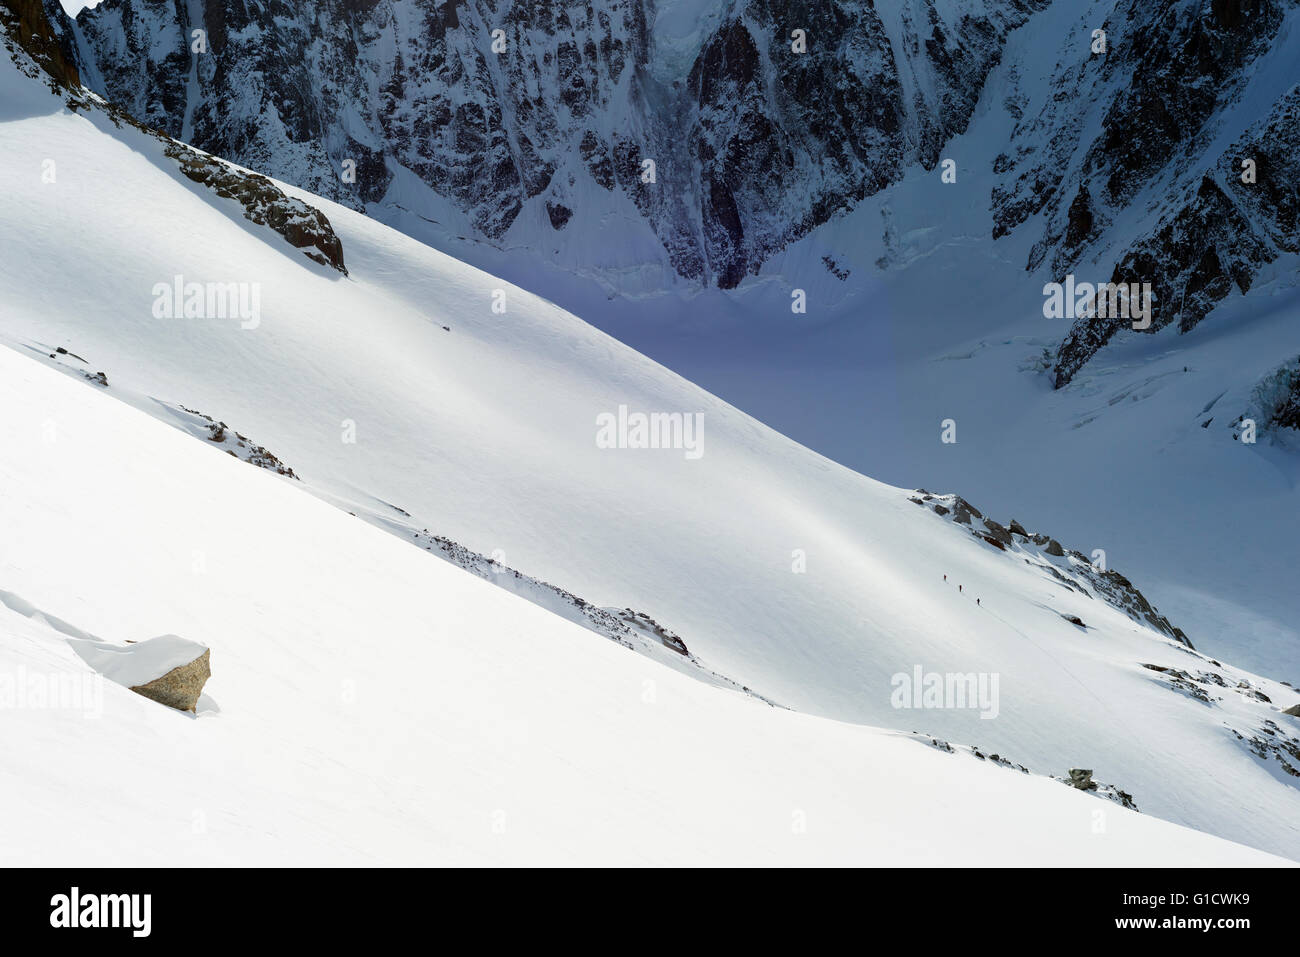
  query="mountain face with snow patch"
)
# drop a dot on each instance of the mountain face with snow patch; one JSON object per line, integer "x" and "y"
{"x": 760, "y": 122}
{"x": 1136, "y": 125}
{"x": 529, "y": 126}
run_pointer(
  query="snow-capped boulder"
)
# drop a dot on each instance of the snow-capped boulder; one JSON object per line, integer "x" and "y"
{"x": 168, "y": 669}
{"x": 179, "y": 688}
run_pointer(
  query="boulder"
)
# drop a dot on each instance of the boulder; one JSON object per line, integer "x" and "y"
{"x": 168, "y": 669}
{"x": 962, "y": 510}
{"x": 1082, "y": 779}
{"x": 997, "y": 531}
{"x": 1293, "y": 710}
{"x": 179, "y": 688}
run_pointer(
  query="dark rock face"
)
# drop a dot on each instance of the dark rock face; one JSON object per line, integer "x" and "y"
{"x": 1193, "y": 260}
{"x": 494, "y": 104}
{"x": 1080, "y": 225}
{"x": 25, "y": 25}
{"x": 154, "y": 42}
{"x": 1170, "y": 74}
{"x": 1178, "y": 65}
{"x": 1286, "y": 415}
{"x": 558, "y": 215}
{"x": 731, "y": 144}
{"x": 305, "y": 227}
{"x": 1081, "y": 778}
{"x": 25, "y": 21}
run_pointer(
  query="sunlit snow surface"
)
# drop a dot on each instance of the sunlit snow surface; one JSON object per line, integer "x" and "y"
{"x": 371, "y": 703}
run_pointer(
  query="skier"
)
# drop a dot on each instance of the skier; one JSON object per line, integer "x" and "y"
{"x": 945, "y": 577}
{"x": 959, "y": 589}
{"x": 977, "y": 601}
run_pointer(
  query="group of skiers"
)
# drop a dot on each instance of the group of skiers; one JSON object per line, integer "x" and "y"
{"x": 945, "y": 578}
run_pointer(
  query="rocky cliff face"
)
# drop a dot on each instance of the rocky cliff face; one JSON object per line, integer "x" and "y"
{"x": 25, "y": 22}
{"x": 1167, "y": 85}
{"x": 728, "y": 132}
{"x": 757, "y": 133}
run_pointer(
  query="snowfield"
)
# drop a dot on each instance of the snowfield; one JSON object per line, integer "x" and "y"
{"x": 370, "y": 703}
{"x": 935, "y": 320}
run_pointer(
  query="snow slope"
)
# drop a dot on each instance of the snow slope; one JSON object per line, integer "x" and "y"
{"x": 373, "y": 705}
{"x": 937, "y": 321}
{"x": 932, "y": 316}
{"x": 796, "y": 577}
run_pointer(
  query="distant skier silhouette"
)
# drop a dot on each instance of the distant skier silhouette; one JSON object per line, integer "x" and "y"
{"x": 959, "y": 589}
{"x": 977, "y": 601}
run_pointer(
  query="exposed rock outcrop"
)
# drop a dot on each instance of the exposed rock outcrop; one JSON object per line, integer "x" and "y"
{"x": 305, "y": 227}
{"x": 44, "y": 35}
{"x": 235, "y": 443}
{"x": 1082, "y": 779}
{"x": 1078, "y": 777}
{"x": 168, "y": 669}
{"x": 25, "y": 21}
{"x": 1068, "y": 567}
{"x": 179, "y": 688}
{"x": 1269, "y": 742}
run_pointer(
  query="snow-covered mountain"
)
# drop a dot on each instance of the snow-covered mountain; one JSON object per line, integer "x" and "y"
{"x": 1141, "y": 453}
{"x": 398, "y": 393}
{"x": 1100, "y": 140}
{"x": 530, "y": 124}
{"x": 1170, "y": 154}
